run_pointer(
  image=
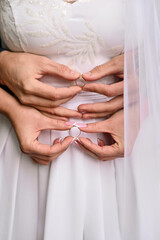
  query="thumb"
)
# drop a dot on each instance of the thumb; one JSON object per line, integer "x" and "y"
{"x": 60, "y": 70}
{"x": 54, "y": 124}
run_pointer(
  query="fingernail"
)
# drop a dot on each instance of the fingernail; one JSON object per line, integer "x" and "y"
{"x": 73, "y": 140}
{"x": 75, "y": 74}
{"x": 78, "y": 140}
{"x": 81, "y": 125}
{"x": 100, "y": 142}
{"x": 60, "y": 140}
{"x": 88, "y": 74}
{"x": 82, "y": 111}
{"x": 70, "y": 123}
{"x": 76, "y": 143}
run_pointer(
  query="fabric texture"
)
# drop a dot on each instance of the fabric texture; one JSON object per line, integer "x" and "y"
{"x": 78, "y": 197}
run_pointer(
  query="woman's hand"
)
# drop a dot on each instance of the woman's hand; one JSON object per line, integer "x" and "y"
{"x": 28, "y": 124}
{"x": 103, "y": 109}
{"x": 98, "y": 110}
{"x": 113, "y": 126}
{"x": 21, "y": 72}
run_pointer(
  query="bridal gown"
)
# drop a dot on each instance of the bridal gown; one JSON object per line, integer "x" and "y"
{"x": 76, "y": 197}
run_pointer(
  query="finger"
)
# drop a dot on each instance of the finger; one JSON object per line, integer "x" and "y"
{"x": 86, "y": 150}
{"x": 112, "y": 90}
{"x": 39, "y": 160}
{"x": 110, "y": 106}
{"x": 62, "y": 112}
{"x": 52, "y": 68}
{"x": 97, "y": 127}
{"x": 46, "y": 150}
{"x": 48, "y": 158}
{"x": 106, "y": 69}
{"x": 46, "y": 91}
{"x": 95, "y": 115}
{"x": 93, "y": 154}
{"x": 32, "y": 100}
{"x": 55, "y": 103}
{"x": 54, "y": 116}
{"x": 107, "y": 151}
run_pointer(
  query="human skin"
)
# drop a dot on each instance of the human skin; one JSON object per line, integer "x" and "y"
{"x": 28, "y": 124}
{"x": 21, "y": 73}
{"x": 114, "y": 125}
{"x": 97, "y": 110}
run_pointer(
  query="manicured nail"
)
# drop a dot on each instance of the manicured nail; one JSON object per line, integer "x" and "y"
{"x": 78, "y": 140}
{"x": 75, "y": 74}
{"x": 76, "y": 143}
{"x": 70, "y": 123}
{"x": 81, "y": 125}
{"x": 73, "y": 140}
{"x": 60, "y": 140}
{"x": 100, "y": 142}
{"x": 88, "y": 74}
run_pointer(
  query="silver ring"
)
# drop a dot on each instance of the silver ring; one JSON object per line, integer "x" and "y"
{"x": 70, "y": 131}
{"x": 80, "y": 82}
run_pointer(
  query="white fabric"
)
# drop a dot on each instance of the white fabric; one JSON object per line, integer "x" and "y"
{"x": 142, "y": 117}
{"x": 78, "y": 197}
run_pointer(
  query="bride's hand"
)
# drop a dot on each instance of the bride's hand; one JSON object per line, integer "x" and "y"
{"x": 103, "y": 109}
{"x": 21, "y": 72}
{"x": 28, "y": 124}
{"x": 98, "y": 110}
{"x": 113, "y": 126}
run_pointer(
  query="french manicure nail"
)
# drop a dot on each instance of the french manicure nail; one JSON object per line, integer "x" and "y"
{"x": 76, "y": 74}
{"x": 76, "y": 143}
{"x": 81, "y": 125}
{"x": 88, "y": 74}
{"x": 70, "y": 123}
{"x": 73, "y": 140}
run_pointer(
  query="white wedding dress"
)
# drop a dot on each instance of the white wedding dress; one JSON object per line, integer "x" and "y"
{"x": 77, "y": 197}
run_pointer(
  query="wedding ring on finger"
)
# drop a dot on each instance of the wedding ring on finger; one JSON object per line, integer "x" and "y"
{"x": 75, "y": 132}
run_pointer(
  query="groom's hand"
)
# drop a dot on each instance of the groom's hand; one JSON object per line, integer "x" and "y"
{"x": 21, "y": 73}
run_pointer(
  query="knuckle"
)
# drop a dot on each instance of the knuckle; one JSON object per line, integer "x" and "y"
{"x": 98, "y": 69}
{"x": 23, "y": 100}
{"x": 109, "y": 91}
{"x": 61, "y": 69}
{"x": 121, "y": 151}
{"x": 43, "y": 61}
{"x": 25, "y": 148}
{"x": 27, "y": 89}
{"x": 46, "y": 163}
{"x": 56, "y": 95}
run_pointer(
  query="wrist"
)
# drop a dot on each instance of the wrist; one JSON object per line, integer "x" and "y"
{"x": 8, "y": 104}
{"x": 3, "y": 57}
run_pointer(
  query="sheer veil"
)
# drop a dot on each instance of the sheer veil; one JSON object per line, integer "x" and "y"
{"x": 141, "y": 210}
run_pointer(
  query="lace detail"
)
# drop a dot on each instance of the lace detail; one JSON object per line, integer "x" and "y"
{"x": 78, "y": 48}
{"x": 46, "y": 20}
{"x": 7, "y": 23}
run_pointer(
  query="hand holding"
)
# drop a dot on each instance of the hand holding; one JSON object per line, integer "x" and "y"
{"x": 28, "y": 124}
{"x": 113, "y": 126}
{"x": 103, "y": 109}
{"x": 114, "y": 67}
{"x": 21, "y": 72}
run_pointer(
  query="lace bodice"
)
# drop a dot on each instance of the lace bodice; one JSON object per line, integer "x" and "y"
{"x": 67, "y": 33}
